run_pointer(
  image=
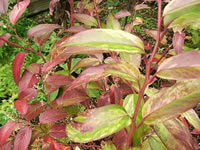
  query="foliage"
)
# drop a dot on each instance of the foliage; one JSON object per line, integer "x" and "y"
{"x": 104, "y": 99}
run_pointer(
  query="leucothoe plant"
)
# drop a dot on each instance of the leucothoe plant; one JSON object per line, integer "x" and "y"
{"x": 130, "y": 112}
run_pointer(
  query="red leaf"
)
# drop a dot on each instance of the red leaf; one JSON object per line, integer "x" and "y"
{"x": 122, "y": 14}
{"x": 58, "y": 60}
{"x": 52, "y": 115}
{"x": 28, "y": 94}
{"x": 6, "y": 146}
{"x": 58, "y": 131}
{"x": 28, "y": 80}
{"x": 76, "y": 29}
{"x": 147, "y": 45}
{"x": 58, "y": 80}
{"x": 3, "y": 7}
{"x": 51, "y": 88}
{"x": 21, "y": 106}
{"x": 17, "y": 66}
{"x": 104, "y": 100}
{"x": 34, "y": 110}
{"x": 120, "y": 139}
{"x": 34, "y": 68}
{"x": 5, "y": 36}
{"x": 5, "y": 131}
{"x": 55, "y": 146}
{"x": 128, "y": 28}
{"x": 178, "y": 42}
{"x": 23, "y": 138}
{"x": 71, "y": 97}
{"x": 42, "y": 32}
{"x": 52, "y": 5}
{"x": 18, "y": 10}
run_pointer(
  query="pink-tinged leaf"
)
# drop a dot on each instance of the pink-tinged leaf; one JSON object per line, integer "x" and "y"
{"x": 28, "y": 94}
{"x": 3, "y": 7}
{"x": 172, "y": 101}
{"x": 18, "y": 10}
{"x": 177, "y": 135}
{"x": 42, "y": 32}
{"x": 52, "y": 115}
{"x": 86, "y": 62}
{"x": 5, "y": 36}
{"x": 5, "y": 131}
{"x": 141, "y": 6}
{"x": 90, "y": 74}
{"x": 98, "y": 123}
{"x": 104, "y": 99}
{"x": 137, "y": 21}
{"x": 134, "y": 59}
{"x": 128, "y": 28}
{"x": 51, "y": 88}
{"x": 192, "y": 118}
{"x": 178, "y": 42}
{"x": 52, "y": 5}
{"x": 180, "y": 67}
{"x": 52, "y": 63}
{"x": 153, "y": 34}
{"x": 71, "y": 97}
{"x": 120, "y": 139}
{"x": 23, "y": 138}
{"x": 6, "y": 146}
{"x": 86, "y": 19}
{"x": 34, "y": 110}
{"x": 34, "y": 68}
{"x": 17, "y": 66}
{"x": 75, "y": 29}
{"x": 58, "y": 80}
{"x": 58, "y": 131}
{"x": 122, "y": 14}
{"x": 28, "y": 80}
{"x": 21, "y": 106}
{"x": 54, "y": 146}
{"x": 112, "y": 23}
{"x": 195, "y": 131}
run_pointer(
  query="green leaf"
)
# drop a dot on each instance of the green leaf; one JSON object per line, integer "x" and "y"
{"x": 108, "y": 146}
{"x": 175, "y": 135}
{"x": 130, "y": 105}
{"x": 181, "y": 67}
{"x": 102, "y": 40}
{"x": 156, "y": 143}
{"x": 170, "y": 102}
{"x": 192, "y": 118}
{"x": 179, "y": 8}
{"x": 100, "y": 122}
{"x": 134, "y": 59}
{"x": 112, "y": 23}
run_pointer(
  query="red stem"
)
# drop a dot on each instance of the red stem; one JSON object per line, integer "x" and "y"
{"x": 28, "y": 49}
{"x": 71, "y": 3}
{"x": 97, "y": 15}
{"x": 148, "y": 68}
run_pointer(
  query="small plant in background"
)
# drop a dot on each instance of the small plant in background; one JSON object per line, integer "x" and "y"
{"x": 106, "y": 98}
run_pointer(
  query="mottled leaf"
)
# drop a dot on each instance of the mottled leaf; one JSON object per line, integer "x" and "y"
{"x": 17, "y": 66}
{"x": 23, "y": 138}
{"x": 42, "y": 32}
{"x": 3, "y": 7}
{"x": 5, "y": 131}
{"x": 102, "y": 40}
{"x": 181, "y": 67}
{"x": 21, "y": 106}
{"x": 178, "y": 42}
{"x": 192, "y": 118}
{"x": 34, "y": 110}
{"x": 122, "y": 14}
{"x": 134, "y": 59}
{"x": 75, "y": 29}
{"x": 18, "y": 10}
{"x": 86, "y": 19}
{"x": 97, "y": 126}
{"x": 58, "y": 131}
{"x": 179, "y": 8}
{"x": 120, "y": 139}
{"x": 170, "y": 102}
{"x": 34, "y": 68}
{"x": 153, "y": 34}
{"x": 112, "y": 23}
{"x": 86, "y": 62}
{"x": 5, "y": 36}
{"x": 52, "y": 115}
{"x": 155, "y": 143}
{"x": 175, "y": 135}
